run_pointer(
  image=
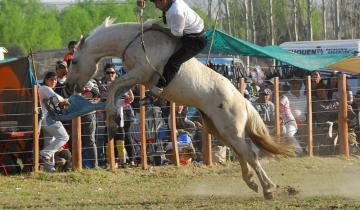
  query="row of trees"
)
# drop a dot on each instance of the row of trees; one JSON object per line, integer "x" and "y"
{"x": 26, "y": 24}
{"x": 277, "y": 21}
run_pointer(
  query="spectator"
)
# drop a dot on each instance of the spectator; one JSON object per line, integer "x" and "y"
{"x": 69, "y": 56}
{"x": 332, "y": 83}
{"x": 288, "y": 122}
{"x": 297, "y": 100}
{"x": 54, "y": 132}
{"x": 265, "y": 107}
{"x": 125, "y": 110}
{"x": 316, "y": 79}
{"x": 333, "y": 88}
{"x": 182, "y": 122}
{"x": 356, "y": 109}
{"x": 325, "y": 116}
{"x": 61, "y": 70}
{"x": 88, "y": 126}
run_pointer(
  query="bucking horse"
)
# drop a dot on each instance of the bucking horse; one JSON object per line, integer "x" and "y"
{"x": 226, "y": 114}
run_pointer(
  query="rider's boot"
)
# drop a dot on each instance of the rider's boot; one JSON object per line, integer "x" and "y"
{"x": 147, "y": 100}
{"x": 155, "y": 90}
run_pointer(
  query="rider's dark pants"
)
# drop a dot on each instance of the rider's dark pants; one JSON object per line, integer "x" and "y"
{"x": 192, "y": 44}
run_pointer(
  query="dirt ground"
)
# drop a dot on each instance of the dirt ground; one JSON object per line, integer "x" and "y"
{"x": 304, "y": 183}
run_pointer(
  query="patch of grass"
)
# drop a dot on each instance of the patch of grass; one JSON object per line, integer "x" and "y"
{"x": 305, "y": 183}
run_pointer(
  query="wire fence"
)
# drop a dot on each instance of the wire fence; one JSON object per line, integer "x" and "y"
{"x": 328, "y": 134}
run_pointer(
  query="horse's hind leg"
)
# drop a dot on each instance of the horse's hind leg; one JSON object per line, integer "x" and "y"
{"x": 244, "y": 149}
{"x": 247, "y": 173}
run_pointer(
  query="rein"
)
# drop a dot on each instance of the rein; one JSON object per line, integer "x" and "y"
{"x": 141, "y": 34}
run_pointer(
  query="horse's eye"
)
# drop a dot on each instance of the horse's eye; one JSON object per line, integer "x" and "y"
{"x": 73, "y": 62}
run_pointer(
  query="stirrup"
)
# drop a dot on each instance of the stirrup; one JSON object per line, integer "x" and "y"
{"x": 156, "y": 90}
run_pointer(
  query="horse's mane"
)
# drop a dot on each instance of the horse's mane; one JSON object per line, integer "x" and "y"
{"x": 110, "y": 21}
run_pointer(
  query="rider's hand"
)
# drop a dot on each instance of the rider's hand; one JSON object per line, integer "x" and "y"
{"x": 141, "y": 3}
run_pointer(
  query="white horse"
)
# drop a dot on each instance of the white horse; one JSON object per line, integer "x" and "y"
{"x": 226, "y": 113}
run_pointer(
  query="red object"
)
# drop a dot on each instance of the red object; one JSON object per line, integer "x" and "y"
{"x": 69, "y": 56}
{"x": 12, "y": 135}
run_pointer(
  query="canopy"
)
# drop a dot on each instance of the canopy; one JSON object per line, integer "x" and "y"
{"x": 225, "y": 44}
{"x": 347, "y": 65}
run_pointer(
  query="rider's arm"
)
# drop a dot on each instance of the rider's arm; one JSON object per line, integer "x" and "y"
{"x": 177, "y": 24}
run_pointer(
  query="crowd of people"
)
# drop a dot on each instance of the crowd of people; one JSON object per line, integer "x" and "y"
{"x": 293, "y": 111}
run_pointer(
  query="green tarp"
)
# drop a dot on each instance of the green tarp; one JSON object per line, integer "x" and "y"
{"x": 229, "y": 45}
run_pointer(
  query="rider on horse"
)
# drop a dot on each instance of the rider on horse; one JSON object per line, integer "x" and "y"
{"x": 185, "y": 23}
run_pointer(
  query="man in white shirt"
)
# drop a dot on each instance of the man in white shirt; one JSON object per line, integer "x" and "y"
{"x": 185, "y": 23}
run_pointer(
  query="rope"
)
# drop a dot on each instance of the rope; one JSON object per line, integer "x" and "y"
{"x": 141, "y": 14}
{"x": 212, "y": 36}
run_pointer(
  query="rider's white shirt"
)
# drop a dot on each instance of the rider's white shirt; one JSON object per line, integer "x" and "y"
{"x": 183, "y": 20}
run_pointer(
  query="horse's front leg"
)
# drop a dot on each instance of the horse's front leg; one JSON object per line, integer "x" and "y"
{"x": 116, "y": 90}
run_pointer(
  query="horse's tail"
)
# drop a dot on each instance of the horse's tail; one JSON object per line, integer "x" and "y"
{"x": 259, "y": 134}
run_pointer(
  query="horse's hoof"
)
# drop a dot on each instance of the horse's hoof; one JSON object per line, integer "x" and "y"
{"x": 253, "y": 186}
{"x": 268, "y": 195}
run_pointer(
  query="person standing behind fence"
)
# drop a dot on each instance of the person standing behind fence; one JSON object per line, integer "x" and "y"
{"x": 61, "y": 70}
{"x": 288, "y": 123}
{"x": 88, "y": 126}
{"x": 55, "y": 134}
{"x": 265, "y": 107}
{"x": 69, "y": 56}
{"x": 128, "y": 98}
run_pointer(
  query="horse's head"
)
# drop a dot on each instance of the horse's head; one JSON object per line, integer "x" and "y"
{"x": 82, "y": 67}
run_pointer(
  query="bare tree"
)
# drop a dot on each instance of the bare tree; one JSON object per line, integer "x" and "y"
{"x": 209, "y": 13}
{"x": 324, "y": 19}
{"x": 227, "y": 13}
{"x": 309, "y": 20}
{"x": 253, "y": 21}
{"x": 271, "y": 19}
{"x": 337, "y": 19}
{"x": 295, "y": 11}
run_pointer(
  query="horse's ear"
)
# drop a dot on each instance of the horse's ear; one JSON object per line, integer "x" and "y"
{"x": 82, "y": 41}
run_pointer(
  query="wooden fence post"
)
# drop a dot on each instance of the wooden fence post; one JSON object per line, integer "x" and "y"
{"x": 111, "y": 150}
{"x": 76, "y": 144}
{"x": 242, "y": 86}
{"x": 309, "y": 118}
{"x": 343, "y": 116}
{"x": 207, "y": 147}
{"x": 36, "y": 131}
{"x": 277, "y": 109}
{"x": 173, "y": 134}
{"x": 144, "y": 163}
